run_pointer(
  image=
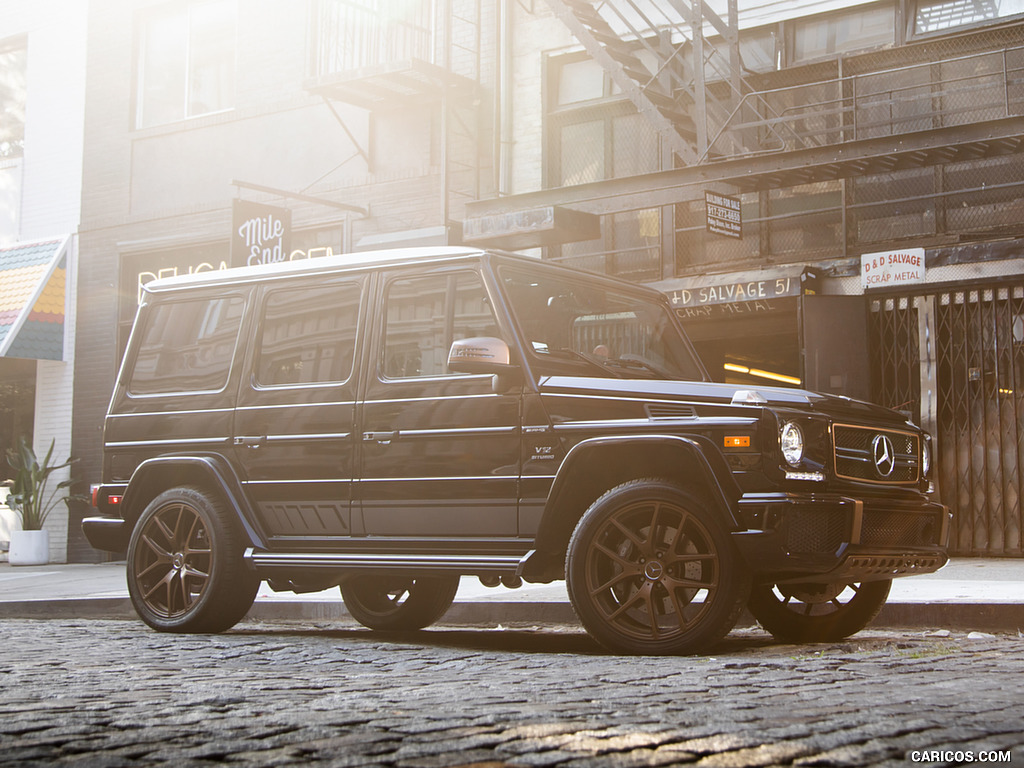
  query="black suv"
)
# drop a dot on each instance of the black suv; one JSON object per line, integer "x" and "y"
{"x": 389, "y": 422}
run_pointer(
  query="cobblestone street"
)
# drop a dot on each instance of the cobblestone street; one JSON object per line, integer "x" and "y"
{"x": 110, "y": 693}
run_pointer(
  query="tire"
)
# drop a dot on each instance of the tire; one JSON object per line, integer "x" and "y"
{"x": 398, "y": 603}
{"x": 650, "y": 570}
{"x": 817, "y": 613}
{"x": 185, "y": 568}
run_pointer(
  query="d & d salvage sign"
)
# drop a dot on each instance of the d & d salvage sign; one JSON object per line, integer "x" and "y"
{"x": 723, "y": 214}
{"x": 892, "y": 268}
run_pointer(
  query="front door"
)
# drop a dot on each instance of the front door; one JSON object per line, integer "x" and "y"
{"x": 439, "y": 450}
{"x": 294, "y": 422}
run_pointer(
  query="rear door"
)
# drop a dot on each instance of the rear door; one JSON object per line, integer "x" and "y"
{"x": 294, "y": 422}
{"x": 439, "y": 450}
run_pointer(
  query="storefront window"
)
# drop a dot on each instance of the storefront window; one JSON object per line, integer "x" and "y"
{"x": 12, "y": 101}
{"x": 186, "y": 62}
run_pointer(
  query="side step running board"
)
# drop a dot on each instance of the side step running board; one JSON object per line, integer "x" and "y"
{"x": 465, "y": 564}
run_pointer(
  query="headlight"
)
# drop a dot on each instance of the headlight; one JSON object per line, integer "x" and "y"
{"x": 791, "y": 440}
{"x": 926, "y": 456}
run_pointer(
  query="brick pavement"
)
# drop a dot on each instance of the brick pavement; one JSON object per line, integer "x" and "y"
{"x": 114, "y": 693}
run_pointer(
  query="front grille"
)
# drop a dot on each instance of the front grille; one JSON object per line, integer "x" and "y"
{"x": 816, "y": 530}
{"x": 900, "y": 529}
{"x": 885, "y": 456}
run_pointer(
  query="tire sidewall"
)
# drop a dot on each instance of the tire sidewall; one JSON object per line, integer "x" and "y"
{"x": 728, "y": 598}
{"x": 790, "y": 626}
{"x": 203, "y": 615}
{"x": 428, "y": 600}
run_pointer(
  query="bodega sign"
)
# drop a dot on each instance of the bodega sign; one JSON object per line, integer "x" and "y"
{"x": 260, "y": 234}
{"x": 889, "y": 269}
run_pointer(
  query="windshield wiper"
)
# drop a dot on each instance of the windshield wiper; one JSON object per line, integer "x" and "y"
{"x": 638, "y": 362}
{"x": 595, "y": 361}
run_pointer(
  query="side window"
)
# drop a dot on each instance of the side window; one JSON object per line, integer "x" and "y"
{"x": 187, "y": 346}
{"x": 308, "y": 336}
{"x": 425, "y": 315}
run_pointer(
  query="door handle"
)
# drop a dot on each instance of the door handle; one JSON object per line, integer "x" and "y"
{"x": 250, "y": 442}
{"x": 381, "y": 438}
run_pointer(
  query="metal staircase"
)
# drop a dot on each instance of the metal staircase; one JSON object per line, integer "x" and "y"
{"x": 657, "y": 54}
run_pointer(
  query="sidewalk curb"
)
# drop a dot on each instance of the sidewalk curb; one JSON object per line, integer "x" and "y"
{"x": 1002, "y": 617}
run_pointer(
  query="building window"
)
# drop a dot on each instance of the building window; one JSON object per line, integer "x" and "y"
{"x": 12, "y": 101}
{"x": 859, "y": 29}
{"x": 951, "y": 14}
{"x": 593, "y": 134}
{"x": 186, "y": 61}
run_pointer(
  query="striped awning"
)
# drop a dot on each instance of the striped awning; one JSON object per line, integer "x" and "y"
{"x": 32, "y": 299}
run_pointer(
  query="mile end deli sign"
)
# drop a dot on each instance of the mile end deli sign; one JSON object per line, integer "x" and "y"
{"x": 890, "y": 269}
{"x": 260, "y": 234}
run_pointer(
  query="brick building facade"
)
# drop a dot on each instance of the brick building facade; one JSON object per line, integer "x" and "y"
{"x": 839, "y": 130}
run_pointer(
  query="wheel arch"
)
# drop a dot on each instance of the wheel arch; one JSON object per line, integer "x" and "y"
{"x": 211, "y": 473}
{"x": 595, "y": 466}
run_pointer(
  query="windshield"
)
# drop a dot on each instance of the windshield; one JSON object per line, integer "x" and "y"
{"x": 572, "y": 324}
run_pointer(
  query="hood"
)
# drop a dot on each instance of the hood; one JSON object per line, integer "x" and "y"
{"x": 722, "y": 394}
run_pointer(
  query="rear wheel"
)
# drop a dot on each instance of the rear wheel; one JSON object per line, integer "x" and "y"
{"x": 185, "y": 568}
{"x": 650, "y": 570}
{"x": 817, "y": 613}
{"x": 398, "y": 603}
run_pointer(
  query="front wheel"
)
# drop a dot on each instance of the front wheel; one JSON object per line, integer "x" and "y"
{"x": 650, "y": 570}
{"x": 398, "y": 603}
{"x": 817, "y": 613}
{"x": 185, "y": 568}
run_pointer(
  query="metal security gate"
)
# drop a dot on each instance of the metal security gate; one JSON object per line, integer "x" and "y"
{"x": 954, "y": 359}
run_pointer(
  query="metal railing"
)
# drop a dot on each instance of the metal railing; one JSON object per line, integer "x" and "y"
{"x": 354, "y": 34}
{"x": 939, "y": 94}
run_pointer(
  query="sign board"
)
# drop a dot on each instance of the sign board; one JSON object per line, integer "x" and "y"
{"x": 736, "y": 291}
{"x": 888, "y": 269}
{"x": 723, "y": 214}
{"x": 260, "y": 234}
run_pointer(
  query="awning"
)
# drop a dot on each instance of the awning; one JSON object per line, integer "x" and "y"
{"x": 32, "y": 299}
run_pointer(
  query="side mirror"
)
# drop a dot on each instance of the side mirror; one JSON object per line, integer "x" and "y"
{"x": 485, "y": 354}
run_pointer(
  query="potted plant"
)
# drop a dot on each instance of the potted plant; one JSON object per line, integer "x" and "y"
{"x": 32, "y": 501}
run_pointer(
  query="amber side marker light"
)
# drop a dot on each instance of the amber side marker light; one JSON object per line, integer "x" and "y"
{"x": 738, "y": 441}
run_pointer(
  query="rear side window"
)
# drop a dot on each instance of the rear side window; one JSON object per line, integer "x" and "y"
{"x": 308, "y": 336}
{"x": 187, "y": 346}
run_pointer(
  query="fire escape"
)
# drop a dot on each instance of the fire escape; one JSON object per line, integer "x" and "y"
{"x": 377, "y": 55}
{"x": 680, "y": 64}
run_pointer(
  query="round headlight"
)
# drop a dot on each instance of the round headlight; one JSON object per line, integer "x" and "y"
{"x": 926, "y": 456}
{"x": 791, "y": 441}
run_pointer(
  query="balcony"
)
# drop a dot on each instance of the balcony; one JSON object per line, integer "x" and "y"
{"x": 373, "y": 52}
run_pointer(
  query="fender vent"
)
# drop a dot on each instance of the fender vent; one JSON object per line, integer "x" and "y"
{"x": 661, "y": 411}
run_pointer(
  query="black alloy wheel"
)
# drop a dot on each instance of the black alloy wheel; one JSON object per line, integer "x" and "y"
{"x": 398, "y": 603}
{"x": 650, "y": 570}
{"x": 185, "y": 567}
{"x": 817, "y": 613}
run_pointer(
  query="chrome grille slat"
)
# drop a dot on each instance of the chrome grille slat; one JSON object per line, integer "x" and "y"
{"x": 854, "y": 456}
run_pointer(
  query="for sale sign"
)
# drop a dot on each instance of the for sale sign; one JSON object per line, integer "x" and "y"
{"x": 724, "y": 216}
{"x": 888, "y": 269}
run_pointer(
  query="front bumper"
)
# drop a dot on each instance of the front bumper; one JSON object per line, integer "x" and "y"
{"x": 830, "y": 537}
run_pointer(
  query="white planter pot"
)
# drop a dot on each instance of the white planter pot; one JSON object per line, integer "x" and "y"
{"x": 29, "y": 548}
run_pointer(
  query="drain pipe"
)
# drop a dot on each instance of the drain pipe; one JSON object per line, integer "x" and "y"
{"x": 504, "y": 124}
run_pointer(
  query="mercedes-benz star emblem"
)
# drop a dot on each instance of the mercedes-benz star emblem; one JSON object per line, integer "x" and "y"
{"x": 884, "y": 455}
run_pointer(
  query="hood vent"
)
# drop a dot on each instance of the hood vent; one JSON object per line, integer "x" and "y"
{"x": 662, "y": 411}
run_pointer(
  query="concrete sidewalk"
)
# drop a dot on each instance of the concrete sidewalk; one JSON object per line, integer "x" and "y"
{"x": 968, "y": 594}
